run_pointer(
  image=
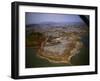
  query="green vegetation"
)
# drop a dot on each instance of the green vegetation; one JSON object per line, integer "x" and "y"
{"x": 34, "y": 39}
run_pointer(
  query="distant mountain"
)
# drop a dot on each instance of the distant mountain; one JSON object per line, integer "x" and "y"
{"x": 56, "y": 24}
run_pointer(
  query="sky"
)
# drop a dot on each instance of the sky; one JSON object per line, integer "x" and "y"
{"x": 37, "y": 18}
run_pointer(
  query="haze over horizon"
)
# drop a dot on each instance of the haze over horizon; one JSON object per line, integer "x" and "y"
{"x": 37, "y": 18}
